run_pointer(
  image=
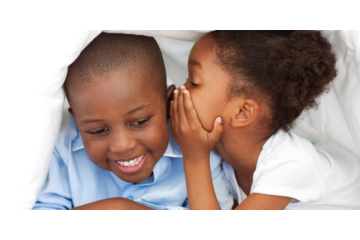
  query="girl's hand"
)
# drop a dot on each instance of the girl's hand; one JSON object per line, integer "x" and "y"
{"x": 194, "y": 141}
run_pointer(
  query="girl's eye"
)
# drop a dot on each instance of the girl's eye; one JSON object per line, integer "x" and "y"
{"x": 141, "y": 123}
{"x": 99, "y": 132}
{"x": 194, "y": 84}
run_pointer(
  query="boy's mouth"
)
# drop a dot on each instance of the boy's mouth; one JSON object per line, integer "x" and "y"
{"x": 132, "y": 162}
{"x": 133, "y": 165}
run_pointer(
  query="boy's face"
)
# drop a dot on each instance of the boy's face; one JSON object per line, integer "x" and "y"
{"x": 207, "y": 82}
{"x": 123, "y": 123}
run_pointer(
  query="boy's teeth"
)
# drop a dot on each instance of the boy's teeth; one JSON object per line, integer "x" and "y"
{"x": 130, "y": 163}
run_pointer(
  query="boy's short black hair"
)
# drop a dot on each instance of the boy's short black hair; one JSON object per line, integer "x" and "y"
{"x": 111, "y": 52}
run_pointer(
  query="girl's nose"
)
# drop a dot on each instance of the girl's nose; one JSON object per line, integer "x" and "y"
{"x": 187, "y": 84}
{"x": 122, "y": 142}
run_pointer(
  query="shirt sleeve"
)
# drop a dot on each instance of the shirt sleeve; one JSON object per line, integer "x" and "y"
{"x": 55, "y": 194}
{"x": 290, "y": 174}
{"x": 221, "y": 188}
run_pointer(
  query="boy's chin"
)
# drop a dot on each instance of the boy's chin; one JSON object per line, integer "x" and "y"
{"x": 137, "y": 177}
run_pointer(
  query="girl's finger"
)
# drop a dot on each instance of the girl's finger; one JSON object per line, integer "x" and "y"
{"x": 180, "y": 108}
{"x": 190, "y": 111}
{"x": 217, "y": 130}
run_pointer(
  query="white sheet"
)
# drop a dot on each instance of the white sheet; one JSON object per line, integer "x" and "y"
{"x": 34, "y": 66}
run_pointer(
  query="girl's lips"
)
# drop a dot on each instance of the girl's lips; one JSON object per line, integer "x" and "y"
{"x": 131, "y": 166}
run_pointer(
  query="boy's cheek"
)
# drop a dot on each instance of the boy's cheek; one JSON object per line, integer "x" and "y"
{"x": 96, "y": 153}
{"x": 157, "y": 139}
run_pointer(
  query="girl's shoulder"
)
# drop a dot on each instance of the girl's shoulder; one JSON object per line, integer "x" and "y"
{"x": 287, "y": 167}
{"x": 288, "y": 144}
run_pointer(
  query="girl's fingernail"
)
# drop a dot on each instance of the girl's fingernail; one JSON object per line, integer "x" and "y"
{"x": 175, "y": 91}
{"x": 171, "y": 102}
{"x": 182, "y": 87}
{"x": 219, "y": 120}
{"x": 186, "y": 91}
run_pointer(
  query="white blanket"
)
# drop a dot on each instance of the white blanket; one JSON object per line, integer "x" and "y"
{"x": 32, "y": 99}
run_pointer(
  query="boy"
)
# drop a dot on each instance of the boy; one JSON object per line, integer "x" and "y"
{"x": 116, "y": 152}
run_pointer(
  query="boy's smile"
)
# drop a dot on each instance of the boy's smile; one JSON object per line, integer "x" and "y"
{"x": 133, "y": 165}
{"x": 122, "y": 121}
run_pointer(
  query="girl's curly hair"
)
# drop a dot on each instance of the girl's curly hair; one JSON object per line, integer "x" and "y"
{"x": 287, "y": 69}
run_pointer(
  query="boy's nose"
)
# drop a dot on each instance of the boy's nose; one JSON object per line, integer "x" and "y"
{"x": 122, "y": 142}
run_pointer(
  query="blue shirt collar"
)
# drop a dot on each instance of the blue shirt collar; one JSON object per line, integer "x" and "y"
{"x": 164, "y": 165}
{"x": 173, "y": 149}
{"x": 72, "y": 136}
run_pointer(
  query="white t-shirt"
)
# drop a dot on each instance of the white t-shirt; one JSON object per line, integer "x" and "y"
{"x": 325, "y": 177}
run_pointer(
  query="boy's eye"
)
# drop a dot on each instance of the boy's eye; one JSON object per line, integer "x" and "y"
{"x": 99, "y": 132}
{"x": 141, "y": 123}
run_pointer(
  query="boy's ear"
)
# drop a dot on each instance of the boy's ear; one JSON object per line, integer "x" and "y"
{"x": 247, "y": 112}
{"x": 170, "y": 93}
{"x": 169, "y": 98}
{"x": 71, "y": 111}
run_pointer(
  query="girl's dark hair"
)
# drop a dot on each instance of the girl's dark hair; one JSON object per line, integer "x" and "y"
{"x": 287, "y": 69}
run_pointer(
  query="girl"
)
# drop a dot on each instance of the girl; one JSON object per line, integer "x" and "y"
{"x": 254, "y": 84}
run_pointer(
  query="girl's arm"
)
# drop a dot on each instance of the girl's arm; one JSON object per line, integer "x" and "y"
{"x": 196, "y": 145}
{"x": 199, "y": 185}
{"x": 257, "y": 201}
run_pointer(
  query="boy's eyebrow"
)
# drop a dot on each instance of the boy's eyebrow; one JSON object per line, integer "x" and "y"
{"x": 195, "y": 63}
{"x": 86, "y": 121}
{"x": 137, "y": 109}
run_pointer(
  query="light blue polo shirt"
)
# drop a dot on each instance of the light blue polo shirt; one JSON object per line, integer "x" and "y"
{"x": 73, "y": 180}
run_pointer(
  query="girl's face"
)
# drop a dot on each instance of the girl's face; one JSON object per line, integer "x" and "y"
{"x": 207, "y": 83}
